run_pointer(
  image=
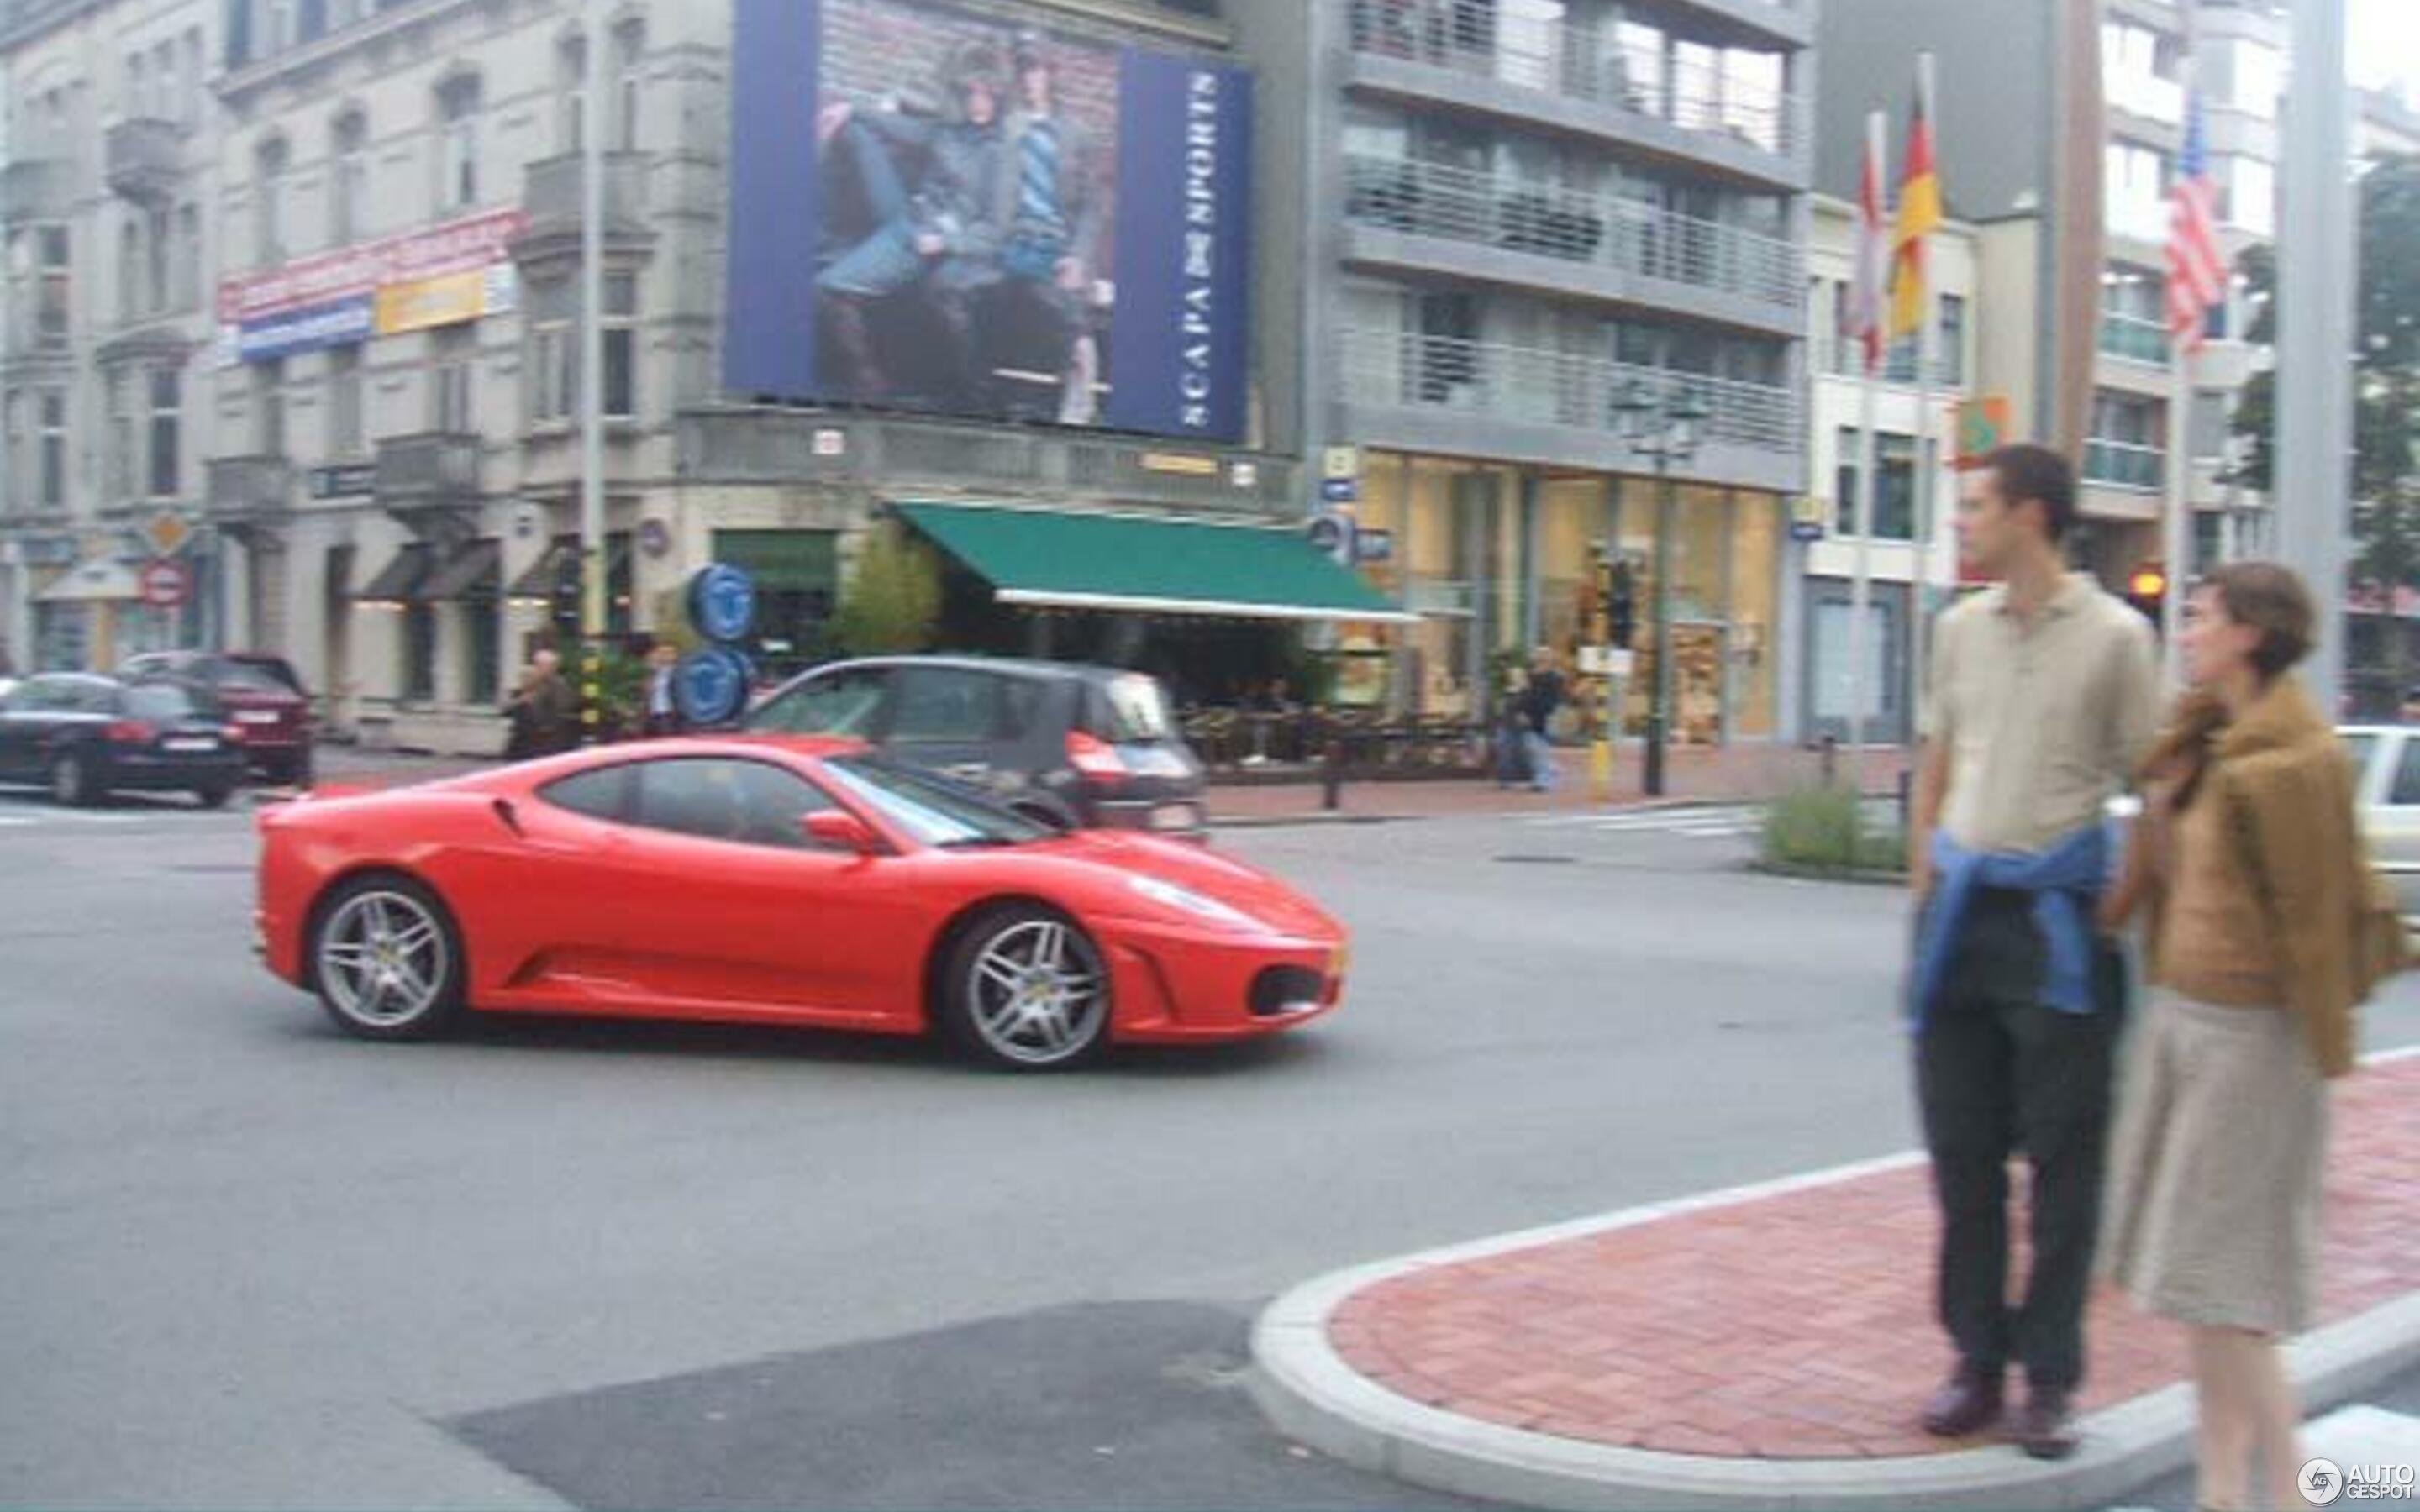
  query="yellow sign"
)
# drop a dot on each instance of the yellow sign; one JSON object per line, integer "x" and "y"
{"x": 167, "y": 533}
{"x": 1340, "y": 462}
{"x": 1192, "y": 467}
{"x": 430, "y": 302}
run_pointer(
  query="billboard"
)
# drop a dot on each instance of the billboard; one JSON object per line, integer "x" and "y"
{"x": 942, "y": 211}
{"x": 444, "y": 274}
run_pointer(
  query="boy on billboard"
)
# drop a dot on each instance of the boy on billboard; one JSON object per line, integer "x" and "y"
{"x": 1046, "y": 200}
{"x": 943, "y": 235}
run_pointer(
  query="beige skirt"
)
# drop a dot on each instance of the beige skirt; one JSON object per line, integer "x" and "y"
{"x": 2215, "y": 1168}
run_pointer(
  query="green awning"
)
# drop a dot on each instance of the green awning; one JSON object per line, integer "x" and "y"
{"x": 1142, "y": 564}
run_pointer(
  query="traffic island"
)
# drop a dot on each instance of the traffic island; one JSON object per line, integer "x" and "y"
{"x": 1770, "y": 1345}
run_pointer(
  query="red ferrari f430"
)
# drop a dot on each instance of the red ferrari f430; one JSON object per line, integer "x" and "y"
{"x": 777, "y": 881}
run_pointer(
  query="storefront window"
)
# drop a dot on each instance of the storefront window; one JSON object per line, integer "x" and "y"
{"x": 1756, "y": 609}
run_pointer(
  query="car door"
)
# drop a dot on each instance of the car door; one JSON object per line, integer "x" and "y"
{"x": 950, "y": 720}
{"x": 718, "y": 905}
{"x": 2392, "y": 810}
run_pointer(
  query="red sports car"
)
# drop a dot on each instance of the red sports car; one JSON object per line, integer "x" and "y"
{"x": 769, "y": 880}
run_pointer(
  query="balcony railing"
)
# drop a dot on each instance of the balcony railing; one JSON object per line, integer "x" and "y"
{"x": 1579, "y": 63}
{"x": 250, "y": 485}
{"x": 2124, "y": 465}
{"x": 1529, "y": 386}
{"x": 1432, "y": 199}
{"x": 436, "y": 468}
{"x": 145, "y": 159}
{"x": 2134, "y": 338}
{"x": 551, "y": 195}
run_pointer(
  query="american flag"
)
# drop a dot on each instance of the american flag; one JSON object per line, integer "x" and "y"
{"x": 2196, "y": 266}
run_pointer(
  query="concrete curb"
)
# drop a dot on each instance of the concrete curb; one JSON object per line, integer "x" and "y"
{"x": 1311, "y": 1394}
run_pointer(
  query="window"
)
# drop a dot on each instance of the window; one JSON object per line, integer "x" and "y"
{"x": 571, "y": 94}
{"x": 269, "y": 202}
{"x": 629, "y": 50}
{"x": 2246, "y": 75}
{"x": 419, "y": 651}
{"x": 457, "y": 151}
{"x": 552, "y": 377}
{"x": 748, "y": 803}
{"x": 843, "y": 703}
{"x": 941, "y": 706}
{"x": 169, "y": 94}
{"x": 2247, "y": 195}
{"x": 19, "y": 457}
{"x": 278, "y": 25}
{"x": 2206, "y": 423}
{"x": 450, "y": 386}
{"x": 138, "y": 89}
{"x": 1894, "y": 483}
{"x": 52, "y": 475}
{"x": 130, "y": 277}
{"x": 2124, "y": 449}
{"x": 2407, "y": 775}
{"x": 1953, "y": 340}
{"x": 349, "y": 188}
{"x": 2134, "y": 313}
{"x": 186, "y": 266}
{"x": 344, "y": 402}
{"x": 269, "y": 406}
{"x": 163, "y": 444}
{"x": 119, "y": 456}
{"x": 156, "y": 249}
{"x": 2134, "y": 181}
{"x": 483, "y": 639}
{"x": 621, "y": 338}
{"x": 2140, "y": 68}
{"x": 189, "y": 103}
{"x": 602, "y": 794}
{"x": 56, "y": 288}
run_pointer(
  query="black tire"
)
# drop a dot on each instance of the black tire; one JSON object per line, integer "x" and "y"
{"x": 214, "y": 796}
{"x": 341, "y": 990}
{"x": 74, "y": 783}
{"x": 970, "y": 1015}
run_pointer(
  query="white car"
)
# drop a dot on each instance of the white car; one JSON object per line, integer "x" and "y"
{"x": 2386, "y": 762}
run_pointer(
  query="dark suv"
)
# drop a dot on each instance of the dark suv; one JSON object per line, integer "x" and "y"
{"x": 1090, "y": 747}
{"x": 88, "y": 737}
{"x": 263, "y": 697}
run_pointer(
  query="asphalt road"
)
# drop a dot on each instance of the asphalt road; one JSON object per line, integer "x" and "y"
{"x": 245, "y": 1261}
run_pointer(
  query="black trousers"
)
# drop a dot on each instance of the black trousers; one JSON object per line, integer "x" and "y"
{"x": 1998, "y": 1070}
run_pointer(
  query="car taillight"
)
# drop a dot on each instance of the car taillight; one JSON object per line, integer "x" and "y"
{"x": 1095, "y": 760}
{"x": 130, "y": 733}
{"x": 234, "y": 734}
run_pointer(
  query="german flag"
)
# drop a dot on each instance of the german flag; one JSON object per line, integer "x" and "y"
{"x": 1920, "y": 213}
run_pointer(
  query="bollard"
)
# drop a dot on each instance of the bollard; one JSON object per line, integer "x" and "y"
{"x": 1831, "y": 749}
{"x": 1332, "y": 773}
{"x": 1907, "y": 803}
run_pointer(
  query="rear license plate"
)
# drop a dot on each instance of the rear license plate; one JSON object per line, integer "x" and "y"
{"x": 1175, "y": 816}
{"x": 255, "y": 715}
{"x": 190, "y": 742}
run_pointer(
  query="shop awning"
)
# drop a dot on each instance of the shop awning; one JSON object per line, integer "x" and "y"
{"x": 559, "y": 565}
{"x": 93, "y": 583}
{"x": 474, "y": 572}
{"x": 400, "y": 580}
{"x": 1057, "y": 558}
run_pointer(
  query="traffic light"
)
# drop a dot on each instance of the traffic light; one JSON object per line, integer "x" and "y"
{"x": 2148, "y": 591}
{"x": 1622, "y": 604}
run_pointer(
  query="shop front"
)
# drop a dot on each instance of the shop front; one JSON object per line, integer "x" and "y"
{"x": 1495, "y": 559}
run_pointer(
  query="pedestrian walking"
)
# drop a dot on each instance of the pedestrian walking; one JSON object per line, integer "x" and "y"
{"x": 2042, "y": 696}
{"x": 544, "y": 711}
{"x": 2267, "y": 926}
{"x": 1540, "y": 702}
{"x": 663, "y": 709}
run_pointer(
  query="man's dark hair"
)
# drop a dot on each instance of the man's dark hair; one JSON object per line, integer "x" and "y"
{"x": 2025, "y": 471}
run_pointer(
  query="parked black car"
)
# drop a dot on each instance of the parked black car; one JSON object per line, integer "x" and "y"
{"x": 1070, "y": 745}
{"x": 85, "y": 737}
{"x": 259, "y": 691}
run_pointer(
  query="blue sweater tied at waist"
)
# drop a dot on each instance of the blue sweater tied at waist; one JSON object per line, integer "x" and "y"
{"x": 2065, "y": 882}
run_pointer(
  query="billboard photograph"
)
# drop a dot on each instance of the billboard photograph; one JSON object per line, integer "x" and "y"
{"x": 939, "y": 210}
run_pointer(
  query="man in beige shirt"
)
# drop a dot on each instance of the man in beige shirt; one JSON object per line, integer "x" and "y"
{"x": 2043, "y": 695}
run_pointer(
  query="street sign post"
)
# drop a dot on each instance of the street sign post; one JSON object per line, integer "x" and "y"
{"x": 165, "y": 585}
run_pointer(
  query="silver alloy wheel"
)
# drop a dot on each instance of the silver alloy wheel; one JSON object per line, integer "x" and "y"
{"x": 66, "y": 781}
{"x": 1037, "y": 992}
{"x": 382, "y": 959}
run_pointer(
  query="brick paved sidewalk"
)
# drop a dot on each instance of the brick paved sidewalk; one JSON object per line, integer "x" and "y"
{"x": 1799, "y": 1325}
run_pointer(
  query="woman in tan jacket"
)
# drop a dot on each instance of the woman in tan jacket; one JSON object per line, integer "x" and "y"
{"x": 2267, "y": 928}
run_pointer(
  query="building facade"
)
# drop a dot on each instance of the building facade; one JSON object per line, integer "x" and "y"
{"x": 2073, "y": 226}
{"x": 1509, "y": 219}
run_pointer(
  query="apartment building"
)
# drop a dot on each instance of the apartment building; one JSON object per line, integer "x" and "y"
{"x": 1514, "y": 218}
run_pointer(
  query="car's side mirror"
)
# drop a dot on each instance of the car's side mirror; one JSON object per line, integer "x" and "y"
{"x": 837, "y": 829}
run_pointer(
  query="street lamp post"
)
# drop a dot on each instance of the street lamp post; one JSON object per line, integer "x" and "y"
{"x": 1665, "y": 431}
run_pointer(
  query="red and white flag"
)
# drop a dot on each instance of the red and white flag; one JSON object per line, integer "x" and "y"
{"x": 2197, "y": 265}
{"x": 1865, "y": 315}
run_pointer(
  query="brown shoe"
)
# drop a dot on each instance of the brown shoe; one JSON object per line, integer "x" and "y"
{"x": 1966, "y": 1406}
{"x": 2046, "y": 1426}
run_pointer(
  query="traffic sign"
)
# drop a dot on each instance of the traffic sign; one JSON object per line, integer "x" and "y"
{"x": 1339, "y": 490}
{"x": 1331, "y": 536}
{"x": 165, "y": 585}
{"x": 168, "y": 532}
{"x": 723, "y": 603}
{"x": 1340, "y": 462}
{"x": 711, "y": 686}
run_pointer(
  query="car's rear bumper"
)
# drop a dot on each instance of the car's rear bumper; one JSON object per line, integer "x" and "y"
{"x": 1175, "y": 985}
{"x": 1179, "y": 814}
{"x": 173, "y": 774}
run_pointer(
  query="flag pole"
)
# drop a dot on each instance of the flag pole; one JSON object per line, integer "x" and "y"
{"x": 1869, "y": 315}
{"x": 2176, "y": 502}
{"x": 1920, "y": 592}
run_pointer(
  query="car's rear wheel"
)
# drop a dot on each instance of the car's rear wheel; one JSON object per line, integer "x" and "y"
{"x": 72, "y": 783}
{"x": 214, "y": 794}
{"x": 1024, "y": 988}
{"x": 387, "y": 959}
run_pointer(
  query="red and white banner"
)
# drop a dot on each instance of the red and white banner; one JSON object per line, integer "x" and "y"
{"x": 463, "y": 246}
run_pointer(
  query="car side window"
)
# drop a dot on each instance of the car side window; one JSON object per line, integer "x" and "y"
{"x": 739, "y": 801}
{"x": 2406, "y": 793}
{"x": 946, "y": 704}
{"x": 843, "y": 703}
{"x": 602, "y": 794}
{"x": 1022, "y": 703}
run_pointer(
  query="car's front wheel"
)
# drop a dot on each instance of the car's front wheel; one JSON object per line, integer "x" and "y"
{"x": 387, "y": 960}
{"x": 1024, "y": 988}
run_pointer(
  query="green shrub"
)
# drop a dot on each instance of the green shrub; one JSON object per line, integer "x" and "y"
{"x": 1822, "y": 829}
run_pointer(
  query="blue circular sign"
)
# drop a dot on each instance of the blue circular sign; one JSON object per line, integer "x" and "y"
{"x": 711, "y": 686}
{"x": 723, "y": 603}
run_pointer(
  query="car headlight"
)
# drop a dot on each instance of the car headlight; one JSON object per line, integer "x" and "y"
{"x": 1185, "y": 900}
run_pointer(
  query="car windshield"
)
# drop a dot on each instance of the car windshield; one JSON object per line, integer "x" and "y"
{"x": 167, "y": 701}
{"x": 1138, "y": 710}
{"x": 935, "y": 810}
